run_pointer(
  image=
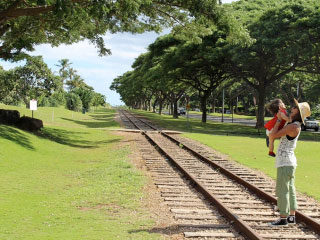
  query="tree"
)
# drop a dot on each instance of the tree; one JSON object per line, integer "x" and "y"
{"x": 35, "y": 79}
{"x": 281, "y": 47}
{"x": 26, "y": 23}
{"x": 73, "y": 102}
{"x": 161, "y": 79}
{"x": 8, "y": 87}
{"x": 64, "y": 70}
{"x": 85, "y": 94}
{"x": 201, "y": 66}
{"x": 98, "y": 99}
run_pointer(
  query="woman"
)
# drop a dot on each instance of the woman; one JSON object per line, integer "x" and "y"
{"x": 286, "y": 162}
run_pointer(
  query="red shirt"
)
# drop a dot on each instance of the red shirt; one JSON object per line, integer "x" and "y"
{"x": 270, "y": 124}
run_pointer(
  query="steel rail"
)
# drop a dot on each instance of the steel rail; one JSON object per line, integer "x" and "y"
{"x": 131, "y": 120}
{"x": 238, "y": 223}
{"x": 144, "y": 122}
{"x": 300, "y": 217}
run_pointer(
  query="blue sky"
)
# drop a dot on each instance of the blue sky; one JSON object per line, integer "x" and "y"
{"x": 98, "y": 72}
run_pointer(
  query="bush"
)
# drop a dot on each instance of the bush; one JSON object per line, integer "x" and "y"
{"x": 73, "y": 102}
{"x": 10, "y": 117}
{"x": 29, "y": 124}
{"x": 53, "y": 102}
{"x": 58, "y": 99}
{"x": 43, "y": 101}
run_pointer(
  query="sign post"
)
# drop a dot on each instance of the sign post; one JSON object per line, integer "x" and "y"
{"x": 33, "y": 105}
{"x": 188, "y": 109}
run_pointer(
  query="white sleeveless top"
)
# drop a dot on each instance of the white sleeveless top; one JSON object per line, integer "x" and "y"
{"x": 285, "y": 154}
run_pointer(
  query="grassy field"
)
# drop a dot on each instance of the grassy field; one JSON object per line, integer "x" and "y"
{"x": 71, "y": 181}
{"x": 247, "y": 146}
{"x": 227, "y": 115}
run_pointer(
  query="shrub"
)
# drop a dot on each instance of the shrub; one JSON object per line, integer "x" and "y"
{"x": 29, "y": 124}
{"x": 73, "y": 102}
{"x": 43, "y": 101}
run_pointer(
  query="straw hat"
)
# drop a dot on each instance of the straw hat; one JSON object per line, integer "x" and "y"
{"x": 304, "y": 109}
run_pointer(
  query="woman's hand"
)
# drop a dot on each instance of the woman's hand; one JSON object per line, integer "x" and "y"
{"x": 279, "y": 115}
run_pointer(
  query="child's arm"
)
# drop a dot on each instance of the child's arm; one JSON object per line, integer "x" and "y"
{"x": 284, "y": 117}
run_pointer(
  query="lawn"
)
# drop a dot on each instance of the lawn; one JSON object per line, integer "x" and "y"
{"x": 71, "y": 181}
{"x": 247, "y": 146}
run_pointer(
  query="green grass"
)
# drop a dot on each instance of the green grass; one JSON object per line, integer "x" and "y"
{"x": 239, "y": 116}
{"x": 71, "y": 181}
{"x": 247, "y": 146}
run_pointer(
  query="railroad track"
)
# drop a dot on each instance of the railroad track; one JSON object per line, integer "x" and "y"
{"x": 211, "y": 197}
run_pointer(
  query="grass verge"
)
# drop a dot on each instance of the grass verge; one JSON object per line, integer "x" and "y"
{"x": 71, "y": 181}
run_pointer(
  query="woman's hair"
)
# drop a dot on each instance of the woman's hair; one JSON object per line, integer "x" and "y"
{"x": 273, "y": 106}
{"x": 297, "y": 117}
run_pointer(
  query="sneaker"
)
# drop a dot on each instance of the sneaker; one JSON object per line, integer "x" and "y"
{"x": 272, "y": 154}
{"x": 281, "y": 222}
{"x": 291, "y": 219}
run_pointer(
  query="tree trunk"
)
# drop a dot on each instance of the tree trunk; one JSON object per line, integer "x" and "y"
{"x": 149, "y": 105}
{"x": 261, "y": 106}
{"x": 160, "y": 106}
{"x": 237, "y": 110}
{"x": 154, "y": 106}
{"x": 213, "y": 105}
{"x": 175, "y": 108}
{"x": 246, "y": 105}
{"x": 203, "y": 100}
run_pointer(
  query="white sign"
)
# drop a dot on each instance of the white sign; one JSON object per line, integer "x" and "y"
{"x": 33, "y": 104}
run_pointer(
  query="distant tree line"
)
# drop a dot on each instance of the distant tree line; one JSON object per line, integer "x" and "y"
{"x": 35, "y": 80}
{"x": 281, "y": 60}
{"x": 27, "y": 23}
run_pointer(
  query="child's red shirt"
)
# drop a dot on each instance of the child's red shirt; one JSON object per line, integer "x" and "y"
{"x": 270, "y": 124}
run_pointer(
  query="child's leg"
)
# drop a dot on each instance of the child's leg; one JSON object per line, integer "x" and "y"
{"x": 267, "y": 137}
{"x": 271, "y": 144}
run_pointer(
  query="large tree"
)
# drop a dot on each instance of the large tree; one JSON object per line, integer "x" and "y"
{"x": 200, "y": 66}
{"x": 34, "y": 79}
{"x": 282, "y": 46}
{"x": 26, "y": 23}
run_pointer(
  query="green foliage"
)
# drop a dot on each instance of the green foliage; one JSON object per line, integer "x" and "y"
{"x": 8, "y": 87}
{"x": 43, "y": 101}
{"x": 24, "y": 24}
{"x": 283, "y": 44}
{"x": 35, "y": 79}
{"x": 98, "y": 99}
{"x": 85, "y": 95}
{"x": 73, "y": 102}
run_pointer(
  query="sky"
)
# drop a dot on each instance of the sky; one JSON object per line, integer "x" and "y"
{"x": 98, "y": 72}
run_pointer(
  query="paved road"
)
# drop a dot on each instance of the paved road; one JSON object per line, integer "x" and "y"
{"x": 229, "y": 120}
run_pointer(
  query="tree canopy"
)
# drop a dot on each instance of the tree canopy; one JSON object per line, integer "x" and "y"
{"x": 26, "y": 23}
{"x": 285, "y": 46}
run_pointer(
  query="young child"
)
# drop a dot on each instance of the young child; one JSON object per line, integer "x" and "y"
{"x": 273, "y": 107}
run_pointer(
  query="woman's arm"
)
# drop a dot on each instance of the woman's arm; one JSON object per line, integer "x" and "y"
{"x": 284, "y": 116}
{"x": 292, "y": 129}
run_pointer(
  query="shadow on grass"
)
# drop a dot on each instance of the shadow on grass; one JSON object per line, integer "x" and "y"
{"x": 104, "y": 121}
{"x": 168, "y": 230}
{"x": 70, "y": 138}
{"x": 14, "y": 135}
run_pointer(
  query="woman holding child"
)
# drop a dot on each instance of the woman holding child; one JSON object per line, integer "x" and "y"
{"x": 286, "y": 161}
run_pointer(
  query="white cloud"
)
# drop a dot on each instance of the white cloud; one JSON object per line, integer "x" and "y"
{"x": 97, "y": 72}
